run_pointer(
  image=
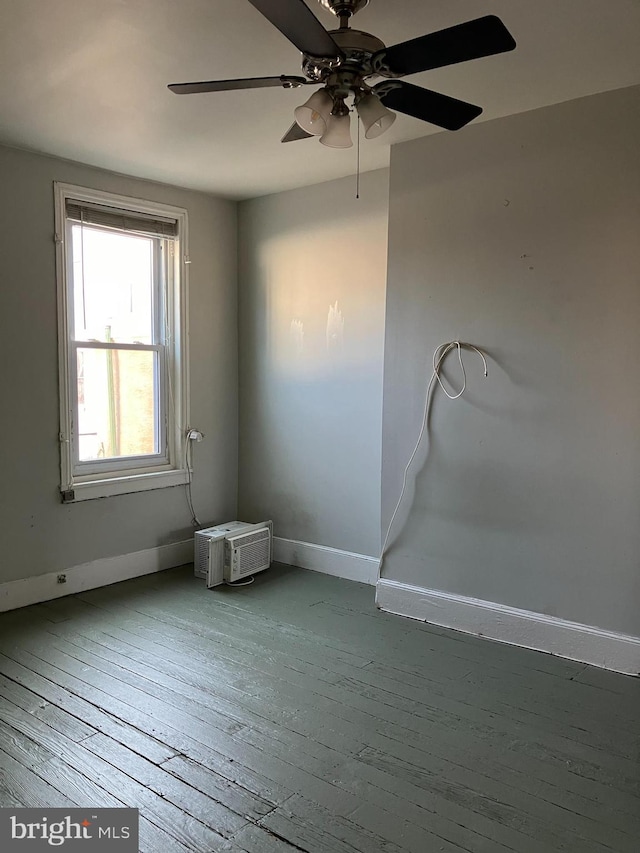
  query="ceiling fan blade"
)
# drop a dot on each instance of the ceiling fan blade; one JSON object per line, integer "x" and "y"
{"x": 441, "y": 110}
{"x": 294, "y": 133}
{"x": 481, "y": 37}
{"x": 245, "y": 83}
{"x": 297, "y": 22}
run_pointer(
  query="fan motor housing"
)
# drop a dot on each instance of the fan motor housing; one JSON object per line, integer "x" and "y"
{"x": 354, "y": 42}
{"x": 358, "y": 48}
{"x": 344, "y": 8}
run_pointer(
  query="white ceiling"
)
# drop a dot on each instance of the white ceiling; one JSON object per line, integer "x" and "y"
{"x": 86, "y": 80}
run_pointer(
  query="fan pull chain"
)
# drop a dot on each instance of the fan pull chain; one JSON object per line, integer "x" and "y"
{"x": 358, "y": 159}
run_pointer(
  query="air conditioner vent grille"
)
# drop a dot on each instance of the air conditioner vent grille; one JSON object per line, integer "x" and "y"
{"x": 201, "y": 556}
{"x": 248, "y": 553}
{"x": 247, "y": 538}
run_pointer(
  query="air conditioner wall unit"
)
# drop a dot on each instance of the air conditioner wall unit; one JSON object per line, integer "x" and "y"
{"x": 232, "y": 551}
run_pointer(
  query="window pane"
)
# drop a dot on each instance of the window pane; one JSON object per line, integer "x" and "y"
{"x": 112, "y": 286}
{"x": 116, "y": 403}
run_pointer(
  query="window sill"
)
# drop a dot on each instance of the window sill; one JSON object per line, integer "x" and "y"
{"x": 86, "y": 491}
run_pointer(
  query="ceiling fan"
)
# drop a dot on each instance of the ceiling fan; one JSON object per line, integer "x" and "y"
{"x": 345, "y": 60}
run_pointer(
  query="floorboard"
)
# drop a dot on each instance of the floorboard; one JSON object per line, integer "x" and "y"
{"x": 291, "y": 715}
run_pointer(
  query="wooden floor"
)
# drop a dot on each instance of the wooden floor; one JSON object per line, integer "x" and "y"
{"x": 290, "y": 715}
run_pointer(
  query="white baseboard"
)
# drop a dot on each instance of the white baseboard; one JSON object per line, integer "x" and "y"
{"x": 584, "y": 643}
{"x": 103, "y": 572}
{"x": 330, "y": 561}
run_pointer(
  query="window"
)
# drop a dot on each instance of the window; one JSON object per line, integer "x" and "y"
{"x": 121, "y": 267}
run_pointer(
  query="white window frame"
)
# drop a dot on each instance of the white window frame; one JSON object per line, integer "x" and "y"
{"x": 87, "y": 480}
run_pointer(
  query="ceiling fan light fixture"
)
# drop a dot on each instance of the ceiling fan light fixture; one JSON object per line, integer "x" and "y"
{"x": 341, "y": 61}
{"x": 375, "y": 117}
{"x": 313, "y": 116}
{"x": 338, "y": 132}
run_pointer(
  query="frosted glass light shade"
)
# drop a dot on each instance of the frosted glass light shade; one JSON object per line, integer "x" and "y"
{"x": 338, "y": 132}
{"x": 313, "y": 115}
{"x": 375, "y": 117}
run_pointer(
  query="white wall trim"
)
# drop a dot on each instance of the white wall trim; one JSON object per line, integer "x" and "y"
{"x": 584, "y": 643}
{"x": 103, "y": 572}
{"x": 330, "y": 561}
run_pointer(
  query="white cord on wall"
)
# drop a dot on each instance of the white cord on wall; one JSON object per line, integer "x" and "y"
{"x": 439, "y": 355}
{"x": 192, "y": 435}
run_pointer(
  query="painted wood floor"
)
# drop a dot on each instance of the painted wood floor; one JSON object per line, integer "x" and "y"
{"x": 290, "y": 715}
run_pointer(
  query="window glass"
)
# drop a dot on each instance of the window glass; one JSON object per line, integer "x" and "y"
{"x": 112, "y": 286}
{"x": 117, "y": 407}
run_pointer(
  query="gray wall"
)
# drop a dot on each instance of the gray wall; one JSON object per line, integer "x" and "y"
{"x": 312, "y": 280}
{"x": 522, "y": 236}
{"x": 39, "y": 534}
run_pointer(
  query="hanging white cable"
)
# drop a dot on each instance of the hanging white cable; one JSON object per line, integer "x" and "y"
{"x": 439, "y": 355}
{"x": 188, "y": 463}
{"x": 185, "y": 434}
{"x": 436, "y": 367}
